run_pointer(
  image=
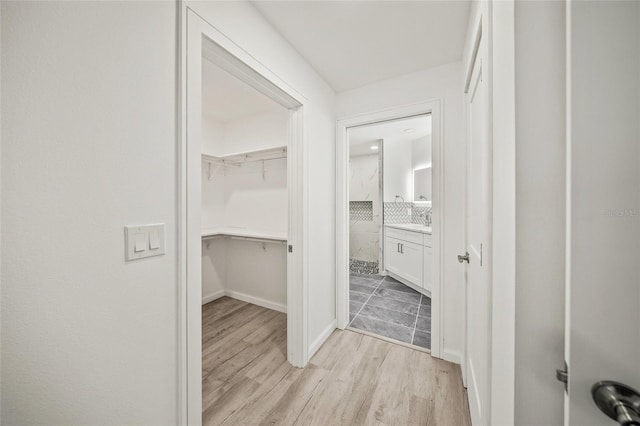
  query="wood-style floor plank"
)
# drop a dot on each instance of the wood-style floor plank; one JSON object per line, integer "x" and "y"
{"x": 353, "y": 379}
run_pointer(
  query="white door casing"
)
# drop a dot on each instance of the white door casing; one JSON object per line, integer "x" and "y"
{"x": 602, "y": 317}
{"x": 201, "y": 40}
{"x": 433, "y": 107}
{"x": 478, "y": 284}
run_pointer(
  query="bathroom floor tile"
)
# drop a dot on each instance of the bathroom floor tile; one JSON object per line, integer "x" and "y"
{"x": 394, "y": 305}
{"x": 364, "y": 281}
{"x": 354, "y": 307}
{"x": 422, "y": 339}
{"x": 365, "y": 289}
{"x": 398, "y": 295}
{"x": 386, "y": 329}
{"x": 369, "y": 276}
{"x": 385, "y": 306}
{"x": 423, "y": 324}
{"x": 386, "y": 315}
{"x": 398, "y": 287}
{"x": 355, "y": 296}
{"x": 425, "y": 311}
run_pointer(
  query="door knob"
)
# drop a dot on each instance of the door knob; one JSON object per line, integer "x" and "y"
{"x": 618, "y": 401}
{"x": 464, "y": 258}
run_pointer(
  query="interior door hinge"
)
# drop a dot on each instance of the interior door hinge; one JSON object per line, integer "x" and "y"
{"x": 290, "y": 248}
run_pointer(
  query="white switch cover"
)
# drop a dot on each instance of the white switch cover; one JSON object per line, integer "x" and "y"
{"x": 144, "y": 241}
{"x": 154, "y": 239}
{"x": 140, "y": 242}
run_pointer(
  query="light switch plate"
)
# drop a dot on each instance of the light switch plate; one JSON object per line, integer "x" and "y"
{"x": 144, "y": 241}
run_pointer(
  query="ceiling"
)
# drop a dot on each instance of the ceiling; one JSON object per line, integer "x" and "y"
{"x": 362, "y": 138}
{"x": 355, "y": 43}
{"x": 226, "y": 98}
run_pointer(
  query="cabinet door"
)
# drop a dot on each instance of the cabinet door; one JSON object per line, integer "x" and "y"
{"x": 411, "y": 267}
{"x": 427, "y": 267}
{"x": 392, "y": 256}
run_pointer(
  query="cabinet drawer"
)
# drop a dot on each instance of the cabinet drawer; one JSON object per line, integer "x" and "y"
{"x": 428, "y": 240}
{"x": 401, "y": 234}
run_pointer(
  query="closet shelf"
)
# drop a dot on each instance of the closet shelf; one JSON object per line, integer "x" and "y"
{"x": 244, "y": 233}
{"x": 245, "y": 157}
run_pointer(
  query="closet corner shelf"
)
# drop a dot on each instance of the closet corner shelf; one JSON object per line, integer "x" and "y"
{"x": 244, "y": 233}
{"x": 245, "y": 157}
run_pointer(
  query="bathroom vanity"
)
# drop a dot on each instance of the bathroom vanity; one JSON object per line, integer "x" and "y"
{"x": 408, "y": 255}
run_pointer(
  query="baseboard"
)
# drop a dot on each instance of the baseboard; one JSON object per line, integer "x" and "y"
{"x": 322, "y": 338}
{"x": 256, "y": 301}
{"x": 452, "y": 356}
{"x": 212, "y": 296}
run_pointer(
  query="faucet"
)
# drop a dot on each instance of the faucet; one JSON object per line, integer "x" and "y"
{"x": 398, "y": 196}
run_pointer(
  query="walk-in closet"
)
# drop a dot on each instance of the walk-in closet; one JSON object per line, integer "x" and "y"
{"x": 244, "y": 192}
{"x": 244, "y": 223}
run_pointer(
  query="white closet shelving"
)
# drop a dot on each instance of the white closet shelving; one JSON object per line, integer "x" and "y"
{"x": 245, "y": 157}
{"x": 237, "y": 160}
{"x": 245, "y": 233}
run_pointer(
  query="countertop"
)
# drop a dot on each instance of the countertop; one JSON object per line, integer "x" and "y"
{"x": 410, "y": 227}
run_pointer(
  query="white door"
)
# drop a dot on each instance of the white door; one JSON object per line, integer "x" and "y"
{"x": 478, "y": 231}
{"x": 602, "y": 339}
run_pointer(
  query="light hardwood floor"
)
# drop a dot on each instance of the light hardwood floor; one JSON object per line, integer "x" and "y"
{"x": 353, "y": 379}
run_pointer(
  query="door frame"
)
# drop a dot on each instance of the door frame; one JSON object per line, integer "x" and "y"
{"x": 433, "y": 107}
{"x": 225, "y": 53}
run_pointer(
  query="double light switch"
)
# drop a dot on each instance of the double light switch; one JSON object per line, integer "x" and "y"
{"x": 144, "y": 241}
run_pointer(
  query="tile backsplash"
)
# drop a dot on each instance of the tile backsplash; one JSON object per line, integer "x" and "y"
{"x": 406, "y": 213}
{"x": 397, "y": 212}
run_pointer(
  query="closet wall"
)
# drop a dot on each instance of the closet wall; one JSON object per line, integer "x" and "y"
{"x": 250, "y": 196}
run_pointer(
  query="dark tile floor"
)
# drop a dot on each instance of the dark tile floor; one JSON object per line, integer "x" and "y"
{"x": 384, "y": 306}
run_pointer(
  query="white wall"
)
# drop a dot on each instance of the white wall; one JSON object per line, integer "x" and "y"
{"x": 444, "y": 82}
{"x": 215, "y": 254}
{"x": 251, "y": 133}
{"x": 266, "y": 45}
{"x": 421, "y": 153}
{"x": 258, "y": 271}
{"x": 540, "y": 210}
{"x": 260, "y": 131}
{"x": 88, "y": 146}
{"x": 397, "y": 169}
{"x": 212, "y": 132}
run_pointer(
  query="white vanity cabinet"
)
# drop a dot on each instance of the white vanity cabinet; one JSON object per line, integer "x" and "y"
{"x": 408, "y": 255}
{"x": 427, "y": 263}
{"x": 404, "y": 259}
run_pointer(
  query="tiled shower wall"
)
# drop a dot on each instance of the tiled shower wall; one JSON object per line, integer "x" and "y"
{"x": 364, "y": 213}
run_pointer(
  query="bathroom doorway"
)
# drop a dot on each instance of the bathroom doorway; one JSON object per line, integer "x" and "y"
{"x": 390, "y": 255}
{"x": 390, "y": 225}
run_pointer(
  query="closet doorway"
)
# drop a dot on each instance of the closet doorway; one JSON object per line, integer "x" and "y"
{"x": 242, "y": 219}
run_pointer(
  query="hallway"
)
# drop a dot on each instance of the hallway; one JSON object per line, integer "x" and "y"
{"x": 353, "y": 379}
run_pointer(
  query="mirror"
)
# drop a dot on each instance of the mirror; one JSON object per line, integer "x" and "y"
{"x": 422, "y": 184}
